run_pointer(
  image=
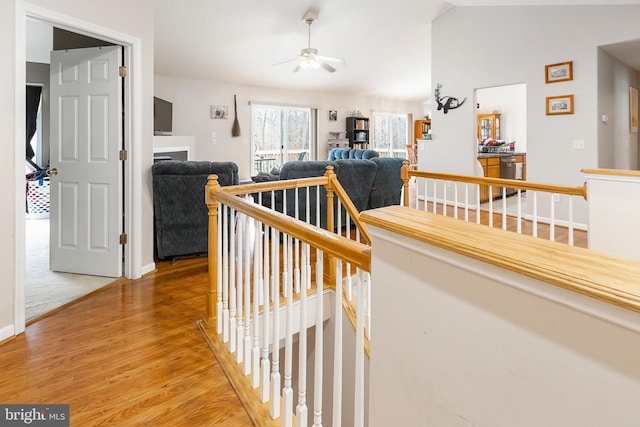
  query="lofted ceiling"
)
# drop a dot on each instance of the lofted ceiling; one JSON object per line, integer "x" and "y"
{"x": 386, "y": 45}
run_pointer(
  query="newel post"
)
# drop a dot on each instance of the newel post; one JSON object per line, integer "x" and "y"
{"x": 214, "y": 294}
{"x": 329, "y": 261}
{"x": 404, "y": 174}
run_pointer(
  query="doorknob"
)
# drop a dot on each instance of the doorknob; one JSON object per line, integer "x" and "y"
{"x": 52, "y": 172}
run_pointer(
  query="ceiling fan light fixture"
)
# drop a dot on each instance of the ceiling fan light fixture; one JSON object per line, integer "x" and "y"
{"x": 307, "y": 63}
{"x": 309, "y": 58}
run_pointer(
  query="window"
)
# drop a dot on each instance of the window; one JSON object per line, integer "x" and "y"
{"x": 281, "y": 134}
{"x": 390, "y": 134}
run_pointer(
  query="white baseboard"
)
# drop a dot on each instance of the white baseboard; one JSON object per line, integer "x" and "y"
{"x": 148, "y": 268}
{"x": 7, "y": 332}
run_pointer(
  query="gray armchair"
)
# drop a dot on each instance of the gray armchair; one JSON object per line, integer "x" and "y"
{"x": 180, "y": 214}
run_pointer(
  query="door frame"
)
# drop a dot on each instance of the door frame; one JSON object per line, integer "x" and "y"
{"x": 132, "y": 99}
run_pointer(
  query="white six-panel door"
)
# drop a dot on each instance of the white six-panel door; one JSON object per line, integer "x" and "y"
{"x": 86, "y": 135}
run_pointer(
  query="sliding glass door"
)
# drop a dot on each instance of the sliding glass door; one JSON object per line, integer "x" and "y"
{"x": 281, "y": 134}
{"x": 390, "y": 134}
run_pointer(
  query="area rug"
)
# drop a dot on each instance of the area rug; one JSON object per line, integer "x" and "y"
{"x": 47, "y": 290}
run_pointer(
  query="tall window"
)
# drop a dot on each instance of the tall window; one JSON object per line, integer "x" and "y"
{"x": 281, "y": 134}
{"x": 390, "y": 134}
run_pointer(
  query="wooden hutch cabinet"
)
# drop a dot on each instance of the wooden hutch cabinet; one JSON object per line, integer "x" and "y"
{"x": 488, "y": 126}
{"x": 420, "y": 127}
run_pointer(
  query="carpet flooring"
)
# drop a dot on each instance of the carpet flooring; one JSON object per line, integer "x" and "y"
{"x": 46, "y": 290}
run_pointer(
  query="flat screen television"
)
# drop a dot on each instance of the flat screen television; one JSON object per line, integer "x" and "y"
{"x": 162, "y": 116}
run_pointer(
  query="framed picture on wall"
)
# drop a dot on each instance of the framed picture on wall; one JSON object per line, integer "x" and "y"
{"x": 633, "y": 110}
{"x": 562, "y": 104}
{"x": 333, "y": 115}
{"x": 560, "y": 72}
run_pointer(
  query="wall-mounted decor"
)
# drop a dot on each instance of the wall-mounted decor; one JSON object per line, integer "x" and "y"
{"x": 219, "y": 112}
{"x": 333, "y": 115}
{"x": 562, "y": 104}
{"x": 446, "y": 103}
{"x": 633, "y": 109}
{"x": 560, "y": 72}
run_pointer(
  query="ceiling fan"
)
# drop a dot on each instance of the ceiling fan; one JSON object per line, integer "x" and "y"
{"x": 309, "y": 58}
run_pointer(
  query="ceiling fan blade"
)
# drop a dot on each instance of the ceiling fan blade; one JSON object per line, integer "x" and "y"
{"x": 324, "y": 65}
{"x": 330, "y": 59}
{"x": 298, "y": 67}
{"x": 286, "y": 61}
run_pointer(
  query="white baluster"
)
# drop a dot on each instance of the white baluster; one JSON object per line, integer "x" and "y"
{"x": 257, "y": 285}
{"x": 478, "y": 204}
{"x": 301, "y": 409}
{"x": 287, "y": 390}
{"x": 535, "y": 214}
{"x": 444, "y": 198}
{"x": 570, "y": 230}
{"x": 426, "y": 198}
{"x": 466, "y": 202}
{"x": 504, "y": 208}
{"x": 319, "y": 349}
{"x": 455, "y": 200}
{"x": 337, "y": 353}
{"x": 264, "y": 366}
{"x": 552, "y": 219}
{"x": 348, "y": 268}
{"x": 232, "y": 284}
{"x": 248, "y": 234}
{"x": 367, "y": 290}
{"x": 359, "y": 354}
{"x": 519, "y": 225}
{"x": 219, "y": 305}
{"x": 296, "y": 272}
{"x": 274, "y": 408}
{"x": 239, "y": 289}
{"x": 225, "y": 274}
{"x": 490, "y": 205}
{"x": 435, "y": 192}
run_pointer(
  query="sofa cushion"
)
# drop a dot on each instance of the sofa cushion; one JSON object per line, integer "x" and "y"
{"x": 356, "y": 177}
{"x": 387, "y": 185}
{"x": 369, "y": 154}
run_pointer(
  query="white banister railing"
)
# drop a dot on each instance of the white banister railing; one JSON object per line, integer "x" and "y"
{"x": 268, "y": 297}
{"x": 439, "y": 192}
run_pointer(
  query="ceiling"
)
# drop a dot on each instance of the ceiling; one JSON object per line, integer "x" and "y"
{"x": 386, "y": 47}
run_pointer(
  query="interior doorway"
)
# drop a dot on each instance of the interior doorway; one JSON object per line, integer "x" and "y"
{"x": 46, "y": 290}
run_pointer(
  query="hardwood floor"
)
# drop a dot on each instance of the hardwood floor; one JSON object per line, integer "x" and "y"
{"x": 129, "y": 355}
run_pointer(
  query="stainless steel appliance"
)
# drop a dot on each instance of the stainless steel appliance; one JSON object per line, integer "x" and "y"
{"x": 508, "y": 171}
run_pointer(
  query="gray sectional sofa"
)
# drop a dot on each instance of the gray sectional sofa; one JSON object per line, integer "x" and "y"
{"x": 370, "y": 183}
{"x": 181, "y": 219}
{"x": 180, "y": 212}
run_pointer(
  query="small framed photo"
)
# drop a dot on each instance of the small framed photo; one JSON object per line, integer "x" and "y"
{"x": 560, "y": 72}
{"x": 559, "y": 105}
{"x": 219, "y": 112}
{"x": 333, "y": 115}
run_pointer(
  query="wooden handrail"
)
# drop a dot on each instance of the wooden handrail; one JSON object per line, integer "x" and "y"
{"x": 604, "y": 277}
{"x": 325, "y": 180}
{"x": 356, "y": 253}
{"x": 509, "y": 183}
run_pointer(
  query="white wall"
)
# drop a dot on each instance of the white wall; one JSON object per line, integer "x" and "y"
{"x": 474, "y": 345}
{"x": 137, "y": 23}
{"x": 7, "y": 168}
{"x": 192, "y": 100}
{"x": 476, "y": 47}
{"x": 617, "y": 146}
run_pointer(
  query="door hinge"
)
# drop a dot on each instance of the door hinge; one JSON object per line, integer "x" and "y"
{"x": 123, "y": 239}
{"x": 122, "y": 155}
{"x": 122, "y": 71}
